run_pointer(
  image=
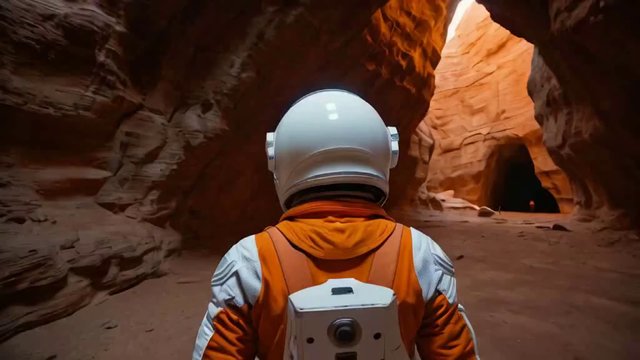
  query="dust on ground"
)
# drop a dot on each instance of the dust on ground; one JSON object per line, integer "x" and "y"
{"x": 531, "y": 292}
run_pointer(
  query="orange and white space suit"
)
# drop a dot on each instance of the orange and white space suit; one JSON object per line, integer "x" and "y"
{"x": 331, "y": 156}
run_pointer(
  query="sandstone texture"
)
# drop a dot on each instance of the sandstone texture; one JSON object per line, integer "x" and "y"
{"x": 131, "y": 128}
{"x": 584, "y": 81}
{"x": 481, "y": 117}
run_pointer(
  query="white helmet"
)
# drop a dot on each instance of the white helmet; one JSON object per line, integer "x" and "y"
{"x": 328, "y": 138}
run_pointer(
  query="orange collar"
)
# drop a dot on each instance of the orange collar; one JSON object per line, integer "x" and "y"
{"x": 336, "y": 208}
{"x": 330, "y": 229}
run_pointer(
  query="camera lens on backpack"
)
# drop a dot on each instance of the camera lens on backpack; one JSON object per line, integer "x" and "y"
{"x": 344, "y": 332}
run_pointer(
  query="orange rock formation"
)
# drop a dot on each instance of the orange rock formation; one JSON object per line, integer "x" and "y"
{"x": 584, "y": 82}
{"x": 481, "y": 113}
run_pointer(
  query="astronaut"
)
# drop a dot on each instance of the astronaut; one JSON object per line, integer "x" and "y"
{"x": 330, "y": 157}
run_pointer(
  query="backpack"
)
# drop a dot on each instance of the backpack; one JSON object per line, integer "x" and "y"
{"x": 342, "y": 319}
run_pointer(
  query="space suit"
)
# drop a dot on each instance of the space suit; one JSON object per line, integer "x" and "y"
{"x": 331, "y": 155}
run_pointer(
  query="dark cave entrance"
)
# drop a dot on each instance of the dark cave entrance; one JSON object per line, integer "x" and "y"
{"x": 514, "y": 185}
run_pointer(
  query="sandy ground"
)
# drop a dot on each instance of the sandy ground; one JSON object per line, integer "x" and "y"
{"x": 531, "y": 293}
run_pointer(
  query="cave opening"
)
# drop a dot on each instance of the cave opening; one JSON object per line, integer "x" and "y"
{"x": 514, "y": 185}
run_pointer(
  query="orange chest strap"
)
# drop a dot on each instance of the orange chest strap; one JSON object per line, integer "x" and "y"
{"x": 297, "y": 275}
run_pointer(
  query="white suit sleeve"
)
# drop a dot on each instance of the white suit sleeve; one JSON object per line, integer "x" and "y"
{"x": 236, "y": 282}
{"x": 436, "y": 275}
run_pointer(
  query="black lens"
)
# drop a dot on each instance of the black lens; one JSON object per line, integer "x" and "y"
{"x": 345, "y": 333}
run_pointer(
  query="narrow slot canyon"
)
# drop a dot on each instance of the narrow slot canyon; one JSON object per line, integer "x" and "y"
{"x": 132, "y": 158}
{"x": 480, "y": 137}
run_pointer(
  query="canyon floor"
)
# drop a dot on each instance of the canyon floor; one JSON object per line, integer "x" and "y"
{"x": 531, "y": 293}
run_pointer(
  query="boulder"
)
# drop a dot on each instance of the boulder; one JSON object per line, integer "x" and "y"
{"x": 484, "y": 211}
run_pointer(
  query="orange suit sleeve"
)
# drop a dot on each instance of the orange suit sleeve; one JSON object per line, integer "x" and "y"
{"x": 233, "y": 337}
{"x": 445, "y": 332}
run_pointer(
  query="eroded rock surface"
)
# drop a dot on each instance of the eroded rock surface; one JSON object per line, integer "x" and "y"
{"x": 122, "y": 121}
{"x": 481, "y": 112}
{"x": 584, "y": 82}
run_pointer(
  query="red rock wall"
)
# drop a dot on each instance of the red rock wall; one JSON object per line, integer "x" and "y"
{"x": 389, "y": 62}
{"x": 122, "y": 121}
{"x": 583, "y": 82}
{"x": 480, "y": 107}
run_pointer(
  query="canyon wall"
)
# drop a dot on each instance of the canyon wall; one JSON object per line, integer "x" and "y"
{"x": 130, "y": 129}
{"x": 583, "y": 82}
{"x": 481, "y": 110}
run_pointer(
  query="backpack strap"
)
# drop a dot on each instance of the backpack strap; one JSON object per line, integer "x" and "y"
{"x": 293, "y": 262}
{"x": 385, "y": 260}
